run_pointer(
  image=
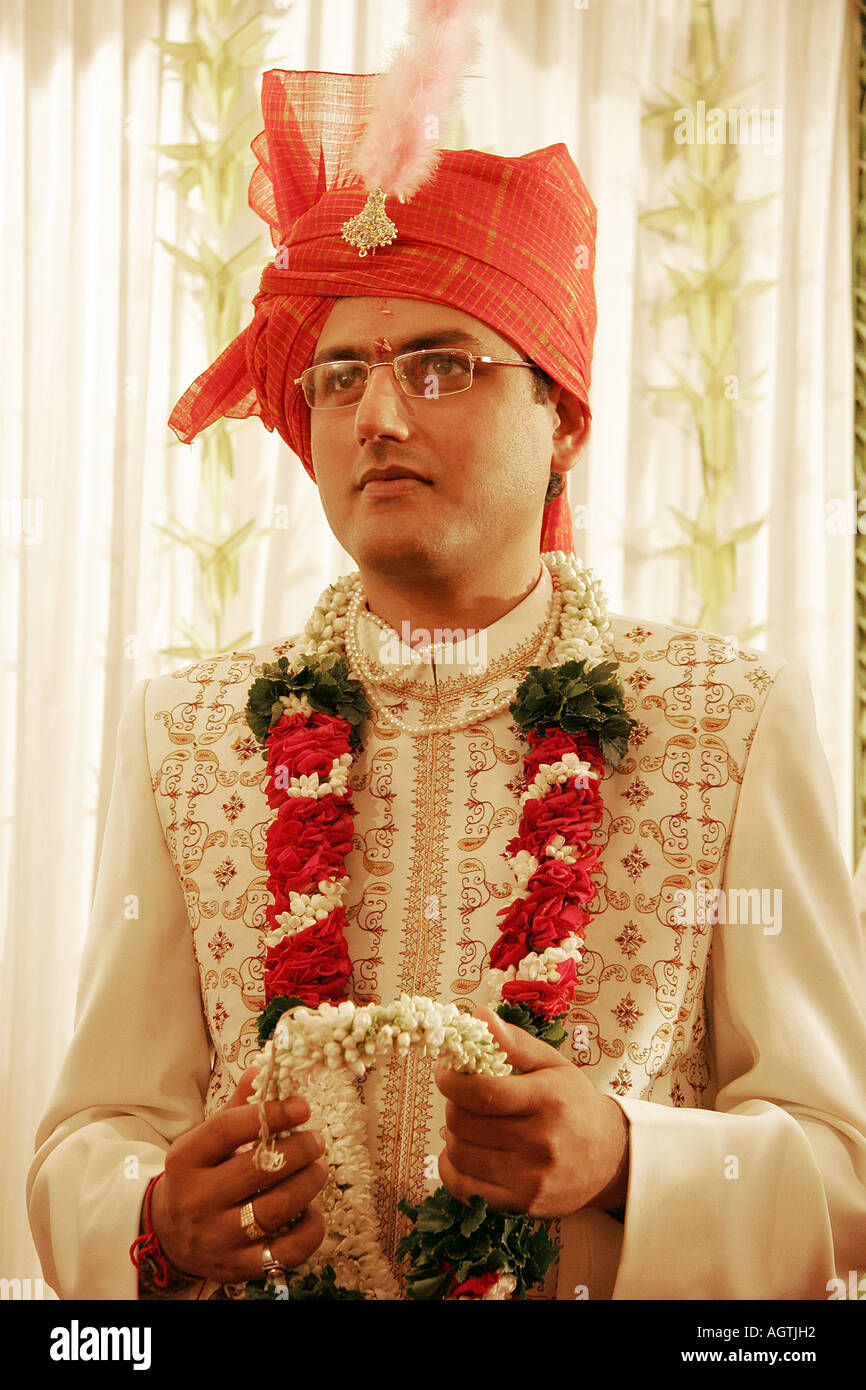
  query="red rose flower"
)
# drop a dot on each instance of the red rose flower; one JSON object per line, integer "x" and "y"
{"x": 301, "y": 745}
{"x": 557, "y": 875}
{"x": 553, "y": 744}
{"x": 570, "y": 811}
{"x": 547, "y": 998}
{"x": 547, "y": 747}
{"x": 308, "y": 840}
{"x": 475, "y": 1287}
{"x": 551, "y": 912}
{"x": 589, "y": 749}
{"x": 313, "y": 964}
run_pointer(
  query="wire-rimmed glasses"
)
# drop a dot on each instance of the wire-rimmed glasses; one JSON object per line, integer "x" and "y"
{"x": 429, "y": 372}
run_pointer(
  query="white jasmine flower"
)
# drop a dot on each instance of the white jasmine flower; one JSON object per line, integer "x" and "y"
{"x": 503, "y": 1288}
{"x": 552, "y": 774}
{"x": 523, "y": 866}
{"x": 557, "y": 848}
{"x": 296, "y": 704}
{"x": 307, "y": 909}
{"x": 493, "y": 982}
{"x": 544, "y": 966}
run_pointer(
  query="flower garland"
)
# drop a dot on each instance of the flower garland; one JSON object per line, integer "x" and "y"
{"x": 306, "y": 713}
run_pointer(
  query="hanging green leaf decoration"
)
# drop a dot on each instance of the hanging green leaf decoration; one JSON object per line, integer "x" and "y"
{"x": 702, "y": 219}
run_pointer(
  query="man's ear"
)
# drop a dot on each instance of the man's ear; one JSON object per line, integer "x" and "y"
{"x": 572, "y": 432}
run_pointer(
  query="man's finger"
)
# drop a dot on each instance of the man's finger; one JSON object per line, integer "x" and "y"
{"x": 488, "y": 1095}
{"x": 477, "y": 1162}
{"x": 240, "y": 1178}
{"x": 290, "y": 1249}
{"x": 509, "y": 1132}
{"x": 218, "y": 1137}
{"x": 281, "y": 1203}
{"x": 524, "y": 1052}
{"x": 243, "y": 1088}
{"x": 462, "y": 1187}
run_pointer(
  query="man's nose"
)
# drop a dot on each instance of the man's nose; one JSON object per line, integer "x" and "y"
{"x": 383, "y": 408}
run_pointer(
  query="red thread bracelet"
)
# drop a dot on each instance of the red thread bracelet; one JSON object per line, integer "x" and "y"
{"x": 149, "y": 1258}
{"x": 145, "y": 1251}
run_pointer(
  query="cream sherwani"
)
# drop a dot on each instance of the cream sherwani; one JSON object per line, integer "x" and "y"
{"x": 741, "y": 1069}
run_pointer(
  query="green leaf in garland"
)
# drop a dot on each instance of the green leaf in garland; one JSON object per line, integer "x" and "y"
{"x": 578, "y": 700}
{"x": 549, "y": 1030}
{"x": 256, "y": 1292}
{"x": 436, "y": 1214}
{"x": 452, "y": 1241}
{"x": 326, "y": 684}
{"x": 434, "y": 1287}
{"x": 312, "y": 1288}
{"x": 471, "y": 1222}
{"x": 270, "y": 1015}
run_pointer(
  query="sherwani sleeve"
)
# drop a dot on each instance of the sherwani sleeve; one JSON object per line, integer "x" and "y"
{"x": 136, "y": 1072}
{"x": 764, "y": 1196}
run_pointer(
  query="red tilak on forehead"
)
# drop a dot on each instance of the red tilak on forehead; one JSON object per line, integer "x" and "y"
{"x": 382, "y": 346}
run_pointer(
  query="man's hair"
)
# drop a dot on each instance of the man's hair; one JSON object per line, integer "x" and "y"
{"x": 540, "y": 384}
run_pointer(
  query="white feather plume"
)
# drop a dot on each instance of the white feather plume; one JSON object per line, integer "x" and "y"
{"x": 399, "y": 149}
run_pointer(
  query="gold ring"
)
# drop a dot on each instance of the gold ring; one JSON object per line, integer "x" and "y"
{"x": 252, "y": 1229}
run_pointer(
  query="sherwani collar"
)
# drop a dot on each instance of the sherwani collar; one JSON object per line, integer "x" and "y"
{"x": 471, "y": 663}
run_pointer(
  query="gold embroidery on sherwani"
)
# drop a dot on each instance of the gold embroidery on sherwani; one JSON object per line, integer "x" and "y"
{"x": 406, "y": 1106}
{"x": 372, "y": 788}
{"x": 693, "y": 837}
{"x": 369, "y": 914}
{"x": 482, "y": 816}
{"x": 431, "y": 898}
{"x": 424, "y": 929}
{"x": 477, "y": 895}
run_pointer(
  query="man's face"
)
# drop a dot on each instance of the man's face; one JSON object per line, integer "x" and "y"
{"x": 481, "y": 458}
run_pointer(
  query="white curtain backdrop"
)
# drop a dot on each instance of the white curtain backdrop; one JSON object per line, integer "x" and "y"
{"x": 100, "y": 338}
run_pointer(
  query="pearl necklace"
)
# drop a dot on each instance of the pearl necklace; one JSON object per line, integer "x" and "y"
{"x": 359, "y": 665}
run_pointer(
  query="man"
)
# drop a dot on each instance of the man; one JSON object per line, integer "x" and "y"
{"x": 701, "y": 1131}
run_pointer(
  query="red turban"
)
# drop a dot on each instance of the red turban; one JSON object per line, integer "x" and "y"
{"x": 509, "y": 241}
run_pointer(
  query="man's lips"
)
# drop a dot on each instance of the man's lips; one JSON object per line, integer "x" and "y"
{"x": 393, "y": 479}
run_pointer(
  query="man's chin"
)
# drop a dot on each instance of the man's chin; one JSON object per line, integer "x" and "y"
{"x": 399, "y": 549}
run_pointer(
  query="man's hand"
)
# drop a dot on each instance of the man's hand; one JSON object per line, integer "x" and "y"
{"x": 209, "y": 1174}
{"x": 545, "y": 1142}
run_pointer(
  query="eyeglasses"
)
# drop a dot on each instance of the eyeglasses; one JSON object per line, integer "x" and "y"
{"x": 431, "y": 373}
